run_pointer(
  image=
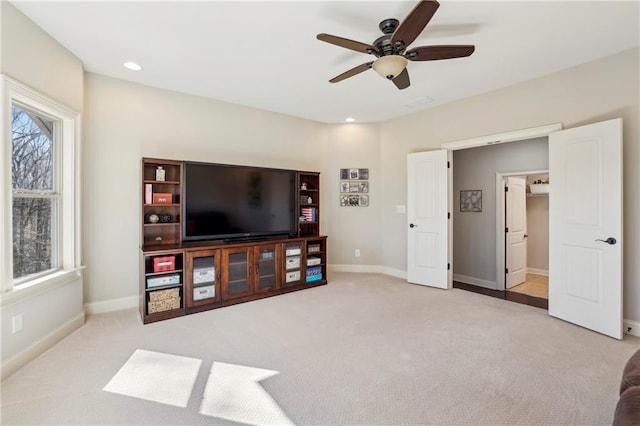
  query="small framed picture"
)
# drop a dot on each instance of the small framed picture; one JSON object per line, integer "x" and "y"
{"x": 344, "y": 186}
{"x": 471, "y": 201}
{"x": 354, "y": 200}
{"x": 344, "y": 200}
{"x": 354, "y": 173}
{"x": 354, "y": 187}
{"x": 344, "y": 174}
{"x": 363, "y": 186}
{"x": 364, "y": 201}
{"x": 363, "y": 174}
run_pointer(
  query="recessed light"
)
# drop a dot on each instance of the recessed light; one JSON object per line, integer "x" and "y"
{"x": 132, "y": 66}
{"x": 350, "y": 119}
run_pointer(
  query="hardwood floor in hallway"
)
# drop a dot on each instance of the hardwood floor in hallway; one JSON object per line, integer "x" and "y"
{"x": 535, "y": 285}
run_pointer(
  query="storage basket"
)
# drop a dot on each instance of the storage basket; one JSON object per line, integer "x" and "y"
{"x": 163, "y": 305}
{"x": 170, "y": 293}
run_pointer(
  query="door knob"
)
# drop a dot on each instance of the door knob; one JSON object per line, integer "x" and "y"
{"x": 610, "y": 241}
{"x": 411, "y": 225}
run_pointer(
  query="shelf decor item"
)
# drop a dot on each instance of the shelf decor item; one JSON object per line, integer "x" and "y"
{"x": 160, "y": 174}
{"x": 162, "y": 198}
{"x": 164, "y": 263}
{"x": 148, "y": 193}
{"x": 152, "y": 218}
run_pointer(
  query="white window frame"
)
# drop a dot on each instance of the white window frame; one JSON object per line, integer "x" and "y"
{"x": 54, "y": 194}
{"x": 67, "y": 137}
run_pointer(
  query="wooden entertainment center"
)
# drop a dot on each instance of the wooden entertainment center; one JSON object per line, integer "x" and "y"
{"x": 180, "y": 278}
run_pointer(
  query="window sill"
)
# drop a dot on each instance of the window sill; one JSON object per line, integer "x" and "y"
{"x": 40, "y": 285}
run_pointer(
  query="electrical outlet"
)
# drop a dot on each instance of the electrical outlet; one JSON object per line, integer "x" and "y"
{"x": 357, "y": 252}
{"x": 16, "y": 323}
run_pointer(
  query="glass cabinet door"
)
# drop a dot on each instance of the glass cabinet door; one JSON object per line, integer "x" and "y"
{"x": 293, "y": 255}
{"x": 203, "y": 273}
{"x": 267, "y": 271}
{"x": 237, "y": 281}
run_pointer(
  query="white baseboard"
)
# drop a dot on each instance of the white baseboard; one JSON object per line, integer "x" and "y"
{"x": 112, "y": 305}
{"x": 475, "y": 281}
{"x": 374, "y": 269}
{"x": 398, "y": 273}
{"x": 21, "y": 359}
{"x": 631, "y": 328}
{"x": 536, "y": 271}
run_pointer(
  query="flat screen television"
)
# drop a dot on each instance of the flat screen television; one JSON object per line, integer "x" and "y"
{"x": 228, "y": 202}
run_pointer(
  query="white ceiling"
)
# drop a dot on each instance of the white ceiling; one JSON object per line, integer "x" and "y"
{"x": 265, "y": 54}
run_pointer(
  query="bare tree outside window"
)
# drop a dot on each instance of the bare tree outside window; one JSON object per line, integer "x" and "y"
{"x": 34, "y": 197}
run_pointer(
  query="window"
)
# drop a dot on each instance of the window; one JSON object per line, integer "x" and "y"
{"x": 35, "y": 198}
{"x": 39, "y": 210}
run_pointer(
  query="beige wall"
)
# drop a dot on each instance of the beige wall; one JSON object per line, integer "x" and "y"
{"x": 593, "y": 92}
{"x": 354, "y": 146}
{"x": 538, "y": 231}
{"x": 32, "y": 57}
{"x": 125, "y": 122}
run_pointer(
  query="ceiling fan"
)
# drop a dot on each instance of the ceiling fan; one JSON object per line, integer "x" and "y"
{"x": 390, "y": 49}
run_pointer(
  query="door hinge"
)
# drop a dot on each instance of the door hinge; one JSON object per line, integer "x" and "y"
{"x": 449, "y": 215}
{"x": 448, "y": 165}
{"x": 506, "y": 189}
{"x": 506, "y": 270}
{"x": 506, "y": 229}
{"x": 448, "y": 266}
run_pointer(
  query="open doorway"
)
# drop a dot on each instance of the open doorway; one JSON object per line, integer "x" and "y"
{"x": 480, "y": 254}
{"x": 523, "y": 208}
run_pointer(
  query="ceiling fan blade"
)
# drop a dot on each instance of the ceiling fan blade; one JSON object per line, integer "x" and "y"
{"x": 434, "y": 53}
{"x": 402, "y": 80}
{"x": 347, "y": 44}
{"x": 415, "y": 22}
{"x": 353, "y": 71}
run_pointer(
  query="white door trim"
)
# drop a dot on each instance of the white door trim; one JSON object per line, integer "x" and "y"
{"x": 513, "y": 136}
{"x": 500, "y": 222}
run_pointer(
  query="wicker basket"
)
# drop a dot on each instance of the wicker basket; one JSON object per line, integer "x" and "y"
{"x": 163, "y": 300}
{"x": 170, "y": 293}
{"x": 163, "y": 305}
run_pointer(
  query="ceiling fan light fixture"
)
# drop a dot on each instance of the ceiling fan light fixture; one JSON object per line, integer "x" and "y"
{"x": 390, "y": 66}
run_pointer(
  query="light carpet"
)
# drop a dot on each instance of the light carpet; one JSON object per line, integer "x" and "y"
{"x": 364, "y": 349}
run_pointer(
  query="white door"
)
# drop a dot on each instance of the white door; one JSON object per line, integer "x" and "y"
{"x": 516, "y": 230}
{"x": 585, "y": 226}
{"x": 427, "y": 215}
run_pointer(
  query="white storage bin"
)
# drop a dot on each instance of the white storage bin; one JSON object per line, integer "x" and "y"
{"x": 539, "y": 188}
{"x": 293, "y": 276}
{"x": 293, "y": 262}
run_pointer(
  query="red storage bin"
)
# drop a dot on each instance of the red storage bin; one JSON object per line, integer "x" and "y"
{"x": 164, "y": 263}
